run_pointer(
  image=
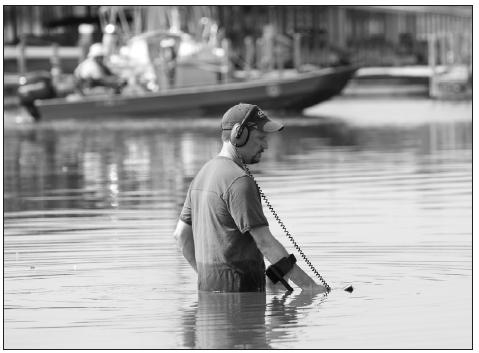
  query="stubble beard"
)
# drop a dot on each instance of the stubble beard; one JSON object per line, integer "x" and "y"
{"x": 256, "y": 158}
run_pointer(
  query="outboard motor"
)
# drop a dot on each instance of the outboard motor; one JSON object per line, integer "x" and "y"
{"x": 35, "y": 85}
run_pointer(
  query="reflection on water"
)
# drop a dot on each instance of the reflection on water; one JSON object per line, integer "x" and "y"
{"x": 243, "y": 320}
{"x": 89, "y": 260}
{"x": 49, "y": 169}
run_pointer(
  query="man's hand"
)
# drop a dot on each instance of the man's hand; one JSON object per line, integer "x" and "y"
{"x": 184, "y": 239}
{"x": 315, "y": 288}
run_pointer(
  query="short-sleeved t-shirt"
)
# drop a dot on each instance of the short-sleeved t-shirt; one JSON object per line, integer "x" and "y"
{"x": 222, "y": 205}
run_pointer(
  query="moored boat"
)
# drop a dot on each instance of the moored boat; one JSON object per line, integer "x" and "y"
{"x": 169, "y": 71}
{"x": 292, "y": 91}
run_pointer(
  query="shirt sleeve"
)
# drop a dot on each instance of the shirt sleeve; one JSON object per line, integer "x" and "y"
{"x": 185, "y": 214}
{"x": 244, "y": 204}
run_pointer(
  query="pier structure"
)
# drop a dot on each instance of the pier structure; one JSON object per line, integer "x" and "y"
{"x": 371, "y": 35}
{"x": 431, "y": 37}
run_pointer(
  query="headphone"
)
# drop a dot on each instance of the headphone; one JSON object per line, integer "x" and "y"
{"x": 240, "y": 131}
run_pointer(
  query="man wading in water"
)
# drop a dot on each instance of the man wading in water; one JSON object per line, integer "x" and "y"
{"x": 222, "y": 230}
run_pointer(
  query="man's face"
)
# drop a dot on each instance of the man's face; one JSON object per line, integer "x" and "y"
{"x": 255, "y": 146}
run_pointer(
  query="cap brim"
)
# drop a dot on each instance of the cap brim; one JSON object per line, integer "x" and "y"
{"x": 271, "y": 126}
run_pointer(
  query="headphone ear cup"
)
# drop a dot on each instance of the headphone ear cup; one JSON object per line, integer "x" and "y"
{"x": 234, "y": 132}
{"x": 238, "y": 138}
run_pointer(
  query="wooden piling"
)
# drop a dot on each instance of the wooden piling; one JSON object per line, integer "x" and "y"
{"x": 55, "y": 65}
{"x": 432, "y": 62}
{"x": 226, "y": 65}
{"x": 259, "y": 54}
{"x": 297, "y": 51}
{"x": 249, "y": 55}
{"x": 21, "y": 58}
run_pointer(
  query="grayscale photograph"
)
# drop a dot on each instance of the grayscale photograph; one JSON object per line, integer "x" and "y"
{"x": 268, "y": 176}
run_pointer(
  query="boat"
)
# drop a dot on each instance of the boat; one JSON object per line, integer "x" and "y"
{"x": 291, "y": 91}
{"x": 203, "y": 79}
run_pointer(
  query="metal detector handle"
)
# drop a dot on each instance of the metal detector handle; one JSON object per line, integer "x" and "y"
{"x": 279, "y": 277}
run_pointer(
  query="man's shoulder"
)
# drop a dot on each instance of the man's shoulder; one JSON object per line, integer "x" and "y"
{"x": 242, "y": 183}
{"x": 225, "y": 167}
{"x": 220, "y": 172}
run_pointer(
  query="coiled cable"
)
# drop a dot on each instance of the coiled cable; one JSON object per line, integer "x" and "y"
{"x": 288, "y": 234}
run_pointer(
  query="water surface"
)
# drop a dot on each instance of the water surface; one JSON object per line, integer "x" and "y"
{"x": 378, "y": 194}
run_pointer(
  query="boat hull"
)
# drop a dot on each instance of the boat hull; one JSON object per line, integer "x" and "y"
{"x": 292, "y": 92}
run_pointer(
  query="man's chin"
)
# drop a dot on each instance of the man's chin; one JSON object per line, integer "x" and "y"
{"x": 255, "y": 159}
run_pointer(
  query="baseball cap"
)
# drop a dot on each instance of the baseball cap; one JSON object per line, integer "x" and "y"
{"x": 237, "y": 113}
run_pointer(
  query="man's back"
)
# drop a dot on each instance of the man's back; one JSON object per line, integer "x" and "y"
{"x": 222, "y": 205}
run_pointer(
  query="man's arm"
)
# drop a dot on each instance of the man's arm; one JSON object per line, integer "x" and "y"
{"x": 274, "y": 251}
{"x": 184, "y": 239}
